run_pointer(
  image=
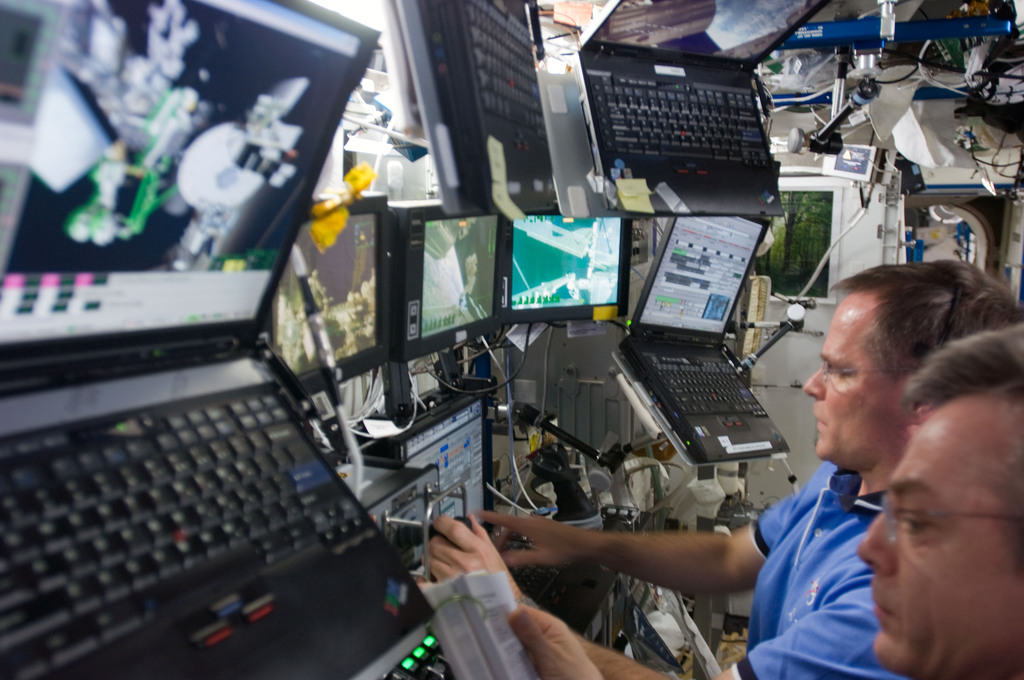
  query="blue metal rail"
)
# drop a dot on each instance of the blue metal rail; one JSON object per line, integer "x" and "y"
{"x": 864, "y": 33}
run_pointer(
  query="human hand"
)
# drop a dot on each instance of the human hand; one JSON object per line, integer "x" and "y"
{"x": 551, "y": 543}
{"x": 555, "y": 651}
{"x": 458, "y": 549}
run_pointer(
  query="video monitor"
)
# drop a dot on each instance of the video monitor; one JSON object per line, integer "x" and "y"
{"x": 445, "y": 272}
{"x": 346, "y": 283}
{"x": 555, "y": 268}
{"x": 158, "y": 159}
{"x": 451, "y": 438}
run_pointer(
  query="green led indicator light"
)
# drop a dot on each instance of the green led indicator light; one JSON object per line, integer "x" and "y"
{"x": 408, "y": 663}
{"x": 419, "y": 652}
{"x": 429, "y": 641}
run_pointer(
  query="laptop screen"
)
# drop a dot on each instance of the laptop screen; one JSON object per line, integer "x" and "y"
{"x": 157, "y": 156}
{"x": 697, "y": 279}
{"x": 732, "y": 29}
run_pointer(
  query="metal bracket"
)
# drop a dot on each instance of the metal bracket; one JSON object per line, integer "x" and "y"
{"x": 431, "y": 499}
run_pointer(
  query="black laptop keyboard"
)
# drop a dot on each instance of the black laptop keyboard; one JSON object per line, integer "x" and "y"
{"x": 506, "y": 75}
{"x": 652, "y": 118}
{"x": 534, "y": 580}
{"x": 103, "y": 526}
{"x": 706, "y": 387}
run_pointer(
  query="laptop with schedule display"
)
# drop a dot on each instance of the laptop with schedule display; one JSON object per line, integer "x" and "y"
{"x": 168, "y": 510}
{"x": 671, "y": 106}
{"x": 675, "y": 356}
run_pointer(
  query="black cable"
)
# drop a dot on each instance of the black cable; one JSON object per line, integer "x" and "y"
{"x": 1020, "y": 169}
{"x": 998, "y": 76}
{"x": 453, "y": 388}
{"x": 913, "y": 58}
{"x": 917, "y": 67}
{"x": 993, "y": 165}
{"x": 616, "y": 322}
{"x": 998, "y": 165}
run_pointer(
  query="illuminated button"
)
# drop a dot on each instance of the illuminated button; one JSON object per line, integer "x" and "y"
{"x": 257, "y": 614}
{"x": 208, "y": 636}
{"x": 259, "y": 607}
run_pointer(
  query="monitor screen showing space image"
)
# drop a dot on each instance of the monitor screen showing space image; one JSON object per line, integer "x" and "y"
{"x": 156, "y": 156}
{"x": 445, "y": 270}
{"x": 563, "y": 267}
{"x": 739, "y": 29}
{"x": 458, "y": 272}
{"x": 344, "y": 281}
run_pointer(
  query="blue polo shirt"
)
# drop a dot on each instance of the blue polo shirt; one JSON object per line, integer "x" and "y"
{"x": 812, "y": 614}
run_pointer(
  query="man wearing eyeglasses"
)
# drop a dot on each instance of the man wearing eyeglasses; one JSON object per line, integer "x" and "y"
{"x": 811, "y": 616}
{"x": 948, "y": 556}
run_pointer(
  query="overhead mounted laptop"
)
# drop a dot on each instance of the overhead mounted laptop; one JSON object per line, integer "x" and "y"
{"x": 166, "y": 512}
{"x": 671, "y": 103}
{"x": 472, "y": 66}
{"x": 675, "y": 357}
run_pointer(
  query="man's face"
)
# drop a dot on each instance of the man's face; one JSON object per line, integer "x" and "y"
{"x": 949, "y": 589}
{"x": 861, "y": 425}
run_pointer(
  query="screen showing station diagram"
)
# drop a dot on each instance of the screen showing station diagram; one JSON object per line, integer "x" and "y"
{"x": 154, "y": 157}
{"x": 343, "y": 280}
{"x": 455, "y": 444}
{"x": 700, "y": 273}
{"x": 565, "y": 262}
{"x": 458, "y": 272}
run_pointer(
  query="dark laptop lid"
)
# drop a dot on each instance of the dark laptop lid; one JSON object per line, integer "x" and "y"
{"x": 737, "y": 33}
{"x": 161, "y": 161}
{"x": 694, "y": 282}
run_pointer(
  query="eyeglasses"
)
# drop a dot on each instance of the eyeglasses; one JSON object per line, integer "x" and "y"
{"x": 921, "y": 349}
{"x": 842, "y": 379}
{"x": 907, "y": 523}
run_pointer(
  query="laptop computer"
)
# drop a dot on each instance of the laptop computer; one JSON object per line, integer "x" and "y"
{"x": 675, "y": 357}
{"x": 671, "y": 103}
{"x": 472, "y": 67}
{"x": 165, "y": 508}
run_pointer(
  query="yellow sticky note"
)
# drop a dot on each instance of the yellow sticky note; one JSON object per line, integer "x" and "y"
{"x": 499, "y": 181}
{"x": 635, "y": 195}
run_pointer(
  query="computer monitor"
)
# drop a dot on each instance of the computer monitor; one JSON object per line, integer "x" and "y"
{"x": 555, "y": 268}
{"x": 452, "y": 439}
{"x": 346, "y": 283}
{"x": 156, "y": 157}
{"x": 445, "y": 278}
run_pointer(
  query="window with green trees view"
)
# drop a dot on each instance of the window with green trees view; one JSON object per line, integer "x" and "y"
{"x": 802, "y": 235}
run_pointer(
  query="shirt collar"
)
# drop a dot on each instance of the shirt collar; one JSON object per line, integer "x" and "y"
{"x": 846, "y": 485}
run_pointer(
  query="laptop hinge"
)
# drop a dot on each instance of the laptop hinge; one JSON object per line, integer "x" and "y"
{"x": 649, "y": 54}
{"x": 46, "y": 370}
